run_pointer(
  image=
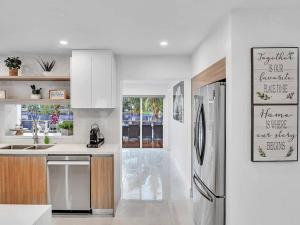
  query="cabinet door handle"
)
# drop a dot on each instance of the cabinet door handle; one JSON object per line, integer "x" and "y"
{"x": 69, "y": 163}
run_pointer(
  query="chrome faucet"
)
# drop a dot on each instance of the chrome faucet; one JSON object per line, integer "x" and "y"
{"x": 35, "y": 132}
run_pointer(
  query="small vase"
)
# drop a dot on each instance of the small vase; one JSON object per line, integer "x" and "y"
{"x": 13, "y": 72}
{"x": 47, "y": 73}
{"x": 34, "y": 96}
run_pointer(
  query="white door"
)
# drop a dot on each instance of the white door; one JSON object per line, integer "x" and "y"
{"x": 81, "y": 72}
{"x": 101, "y": 79}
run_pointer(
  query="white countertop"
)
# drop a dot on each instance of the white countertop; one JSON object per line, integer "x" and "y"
{"x": 64, "y": 149}
{"x": 25, "y": 214}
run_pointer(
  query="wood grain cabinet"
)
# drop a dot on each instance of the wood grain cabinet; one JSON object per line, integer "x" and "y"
{"x": 102, "y": 182}
{"x": 93, "y": 79}
{"x": 23, "y": 180}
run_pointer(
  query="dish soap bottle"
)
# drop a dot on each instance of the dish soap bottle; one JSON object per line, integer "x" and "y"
{"x": 46, "y": 139}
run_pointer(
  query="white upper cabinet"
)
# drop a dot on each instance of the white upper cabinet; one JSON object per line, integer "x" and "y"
{"x": 81, "y": 79}
{"x": 93, "y": 79}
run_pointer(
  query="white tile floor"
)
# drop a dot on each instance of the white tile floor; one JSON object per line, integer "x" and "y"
{"x": 152, "y": 193}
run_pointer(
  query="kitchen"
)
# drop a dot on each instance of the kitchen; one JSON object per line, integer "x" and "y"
{"x": 154, "y": 55}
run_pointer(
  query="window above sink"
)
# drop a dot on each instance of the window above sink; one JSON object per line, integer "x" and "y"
{"x": 54, "y": 120}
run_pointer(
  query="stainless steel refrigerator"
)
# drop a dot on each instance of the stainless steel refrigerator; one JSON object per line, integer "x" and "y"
{"x": 208, "y": 154}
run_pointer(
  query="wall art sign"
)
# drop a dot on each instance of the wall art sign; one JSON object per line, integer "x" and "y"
{"x": 178, "y": 101}
{"x": 274, "y": 104}
{"x": 275, "y": 75}
{"x": 57, "y": 94}
{"x": 275, "y": 133}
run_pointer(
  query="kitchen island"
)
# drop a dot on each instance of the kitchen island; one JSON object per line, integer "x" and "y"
{"x": 25, "y": 175}
{"x": 25, "y": 214}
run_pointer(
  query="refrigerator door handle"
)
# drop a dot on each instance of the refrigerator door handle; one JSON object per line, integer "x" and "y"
{"x": 196, "y": 135}
{"x": 205, "y": 195}
{"x": 203, "y": 133}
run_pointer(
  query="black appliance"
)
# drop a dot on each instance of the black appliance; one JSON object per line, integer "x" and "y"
{"x": 96, "y": 138}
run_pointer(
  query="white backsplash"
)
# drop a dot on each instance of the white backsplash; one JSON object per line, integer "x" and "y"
{"x": 107, "y": 119}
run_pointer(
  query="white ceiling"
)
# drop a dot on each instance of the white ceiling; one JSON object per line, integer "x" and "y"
{"x": 126, "y": 26}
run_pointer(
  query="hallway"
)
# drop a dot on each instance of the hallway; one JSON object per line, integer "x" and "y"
{"x": 152, "y": 193}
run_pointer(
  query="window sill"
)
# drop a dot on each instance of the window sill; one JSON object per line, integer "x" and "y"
{"x": 40, "y": 136}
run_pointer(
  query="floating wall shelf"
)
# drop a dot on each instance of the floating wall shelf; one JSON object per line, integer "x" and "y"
{"x": 35, "y": 78}
{"x": 34, "y": 101}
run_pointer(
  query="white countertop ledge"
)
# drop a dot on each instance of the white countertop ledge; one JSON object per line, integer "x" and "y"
{"x": 25, "y": 214}
{"x": 65, "y": 149}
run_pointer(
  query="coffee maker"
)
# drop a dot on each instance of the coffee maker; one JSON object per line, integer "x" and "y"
{"x": 96, "y": 138}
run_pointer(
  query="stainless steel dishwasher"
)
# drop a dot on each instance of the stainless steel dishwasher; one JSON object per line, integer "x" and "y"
{"x": 69, "y": 183}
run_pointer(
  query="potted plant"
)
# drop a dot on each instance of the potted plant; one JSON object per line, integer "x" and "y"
{"x": 66, "y": 128}
{"x": 14, "y": 64}
{"x": 36, "y": 93}
{"x": 46, "y": 66}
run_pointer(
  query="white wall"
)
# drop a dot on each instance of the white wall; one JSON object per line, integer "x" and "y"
{"x": 180, "y": 136}
{"x": 108, "y": 119}
{"x": 258, "y": 193}
{"x": 152, "y": 68}
{"x": 213, "y": 48}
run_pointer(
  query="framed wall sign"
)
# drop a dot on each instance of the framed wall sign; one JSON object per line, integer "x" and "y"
{"x": 274, "y": 103}
{"x": 275, "y": 133}
{"x": 275, "y": 75}
{"x": 57, "y": 94}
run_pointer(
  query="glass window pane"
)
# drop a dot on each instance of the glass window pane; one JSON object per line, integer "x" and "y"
{"x": 131, "y": 122}
{"x": 152, "y": 124}
{"x": 54, "y": 120}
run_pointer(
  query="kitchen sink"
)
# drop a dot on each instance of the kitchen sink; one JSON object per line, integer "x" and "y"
{"x": 15, "y": 147}
{"x": 26, "y": 147}
{"x": 40, "y": 147}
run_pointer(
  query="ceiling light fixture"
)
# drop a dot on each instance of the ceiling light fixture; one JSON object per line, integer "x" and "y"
{"x": 63, "y": 42}
{"x": 163, "y": 43}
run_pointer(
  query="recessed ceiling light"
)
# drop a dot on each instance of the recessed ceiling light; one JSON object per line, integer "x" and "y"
{"x": 63, "y": 42}
{"x": 163, "y": 43}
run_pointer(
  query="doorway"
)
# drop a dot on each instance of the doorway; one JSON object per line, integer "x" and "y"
{"x": 142, "y": 122}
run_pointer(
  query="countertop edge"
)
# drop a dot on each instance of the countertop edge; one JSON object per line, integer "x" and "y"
{"x": 65, "y": 149}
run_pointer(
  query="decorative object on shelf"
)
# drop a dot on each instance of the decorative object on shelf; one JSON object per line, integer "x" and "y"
{"x": 14, "y": 64}
{"x": 18, "y": 130}
{"x": 275, "y": 75}
{"x": 66, "y": 128}
{"x": 274, "y": 104}
{"x": 36, "y": 93}
{"x": 178, "y": 101}
{"x": 2, "y": 94}
{"x": 54, "y": 118}
{"x": 57, "y": 94}
{"x": 46, "y": 66}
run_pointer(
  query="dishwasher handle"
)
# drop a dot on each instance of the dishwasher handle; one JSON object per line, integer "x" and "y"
{"x": 69, "y": 163}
